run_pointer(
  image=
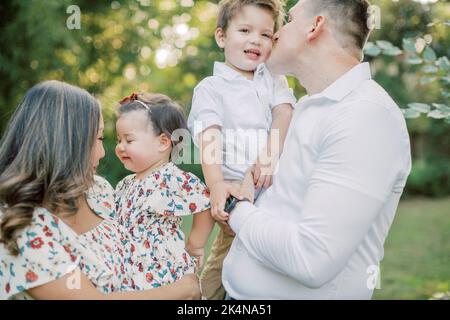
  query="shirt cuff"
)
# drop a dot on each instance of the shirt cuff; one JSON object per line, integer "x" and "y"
{"x": 240, "y": 214}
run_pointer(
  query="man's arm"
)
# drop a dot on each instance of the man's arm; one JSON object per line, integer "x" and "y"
{"x": 357, "y": 166}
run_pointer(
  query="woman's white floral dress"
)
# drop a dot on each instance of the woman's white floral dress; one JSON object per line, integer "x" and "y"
{"x": 151, "y": 210}
{"x": 49, "y": 249}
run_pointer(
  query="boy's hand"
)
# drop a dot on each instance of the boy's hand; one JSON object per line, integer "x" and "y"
{"x": 220, "y": 192}
{"x": 248, "y": 186}
{"x": 263, "y": 173}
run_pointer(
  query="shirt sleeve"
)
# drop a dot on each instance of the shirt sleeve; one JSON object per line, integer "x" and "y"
{"x": 206, "y": 110}
{"x": 179, "y": 194}
{"x": 281, "y": 92}
{"x": 358, "y": 163}
{"x": 43, "y": 257}
{"x": 192, "y": 196}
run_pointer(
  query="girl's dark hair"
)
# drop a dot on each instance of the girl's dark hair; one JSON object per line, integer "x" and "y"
{"x": 164, "y": 114}
{"x": 45, "y": 155}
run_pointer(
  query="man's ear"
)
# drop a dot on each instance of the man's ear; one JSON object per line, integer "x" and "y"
{"x": 317, "y": 28}
{"x": 165, "y": 142}
{"x": 220, "y": 37}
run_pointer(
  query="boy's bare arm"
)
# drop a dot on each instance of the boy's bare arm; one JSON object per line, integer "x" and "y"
{"x": 211, "y": 158}
{"x": 281, "y": 118}
{"x": 267, "y": 160}
{"x": 211, "y": 155}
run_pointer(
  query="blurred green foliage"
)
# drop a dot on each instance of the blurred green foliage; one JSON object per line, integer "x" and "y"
{"x": 168, "y": 46}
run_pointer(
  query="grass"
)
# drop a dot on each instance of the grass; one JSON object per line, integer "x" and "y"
{"x": 417, "y": 251}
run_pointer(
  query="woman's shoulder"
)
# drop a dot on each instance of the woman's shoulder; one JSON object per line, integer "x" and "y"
{"x": 102, "y": 185}
{"x": 44, "y": 255}
{"x": 101, "y": 198}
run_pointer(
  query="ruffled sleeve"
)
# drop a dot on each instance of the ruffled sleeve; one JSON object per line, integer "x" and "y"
{"x": 101, "y": 198}
{"x": 173, "y": 192}
{"x": 44, "y": 256}
{"x": 192, "y": 196}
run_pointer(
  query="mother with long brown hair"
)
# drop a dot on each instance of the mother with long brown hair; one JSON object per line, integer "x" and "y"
{"x": 58, "y": 235}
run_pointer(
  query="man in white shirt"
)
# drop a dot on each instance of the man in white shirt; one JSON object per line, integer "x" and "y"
{"x": 318, "y": 232}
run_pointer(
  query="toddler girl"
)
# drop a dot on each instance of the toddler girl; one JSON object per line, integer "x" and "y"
{"x": 151, "y": 202}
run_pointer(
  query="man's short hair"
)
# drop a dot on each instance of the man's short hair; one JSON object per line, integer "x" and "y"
{"x": 229, "y": 8}
{"x": 350, "y": 16}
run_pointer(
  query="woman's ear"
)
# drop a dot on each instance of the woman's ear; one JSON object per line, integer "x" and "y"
{"x": 316, "y": 29}
{"x": 220, "y": 37}
{"x": 165, "y": 142}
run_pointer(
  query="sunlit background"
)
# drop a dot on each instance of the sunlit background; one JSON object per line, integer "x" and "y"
{"x": 168, "y": 46}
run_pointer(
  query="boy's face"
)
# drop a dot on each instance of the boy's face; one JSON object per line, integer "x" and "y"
{"x": 247, "y": 41}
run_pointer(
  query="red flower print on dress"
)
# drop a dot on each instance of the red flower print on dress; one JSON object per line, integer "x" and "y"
{"x": 7, "y": 288}
{"x": 107, "y": 205}
{"x": 149, "y": 277}
{"x": 157, "y": 176}
{"x": 187, "y": 175}
{"x": 146, "y": 244}
{"x": 192, "y": 207}
{"x": 47, "y": 231}
{"x": 31, "y": 276}
{"x": 187, "y": 186}
{"x": 36, "y": 243}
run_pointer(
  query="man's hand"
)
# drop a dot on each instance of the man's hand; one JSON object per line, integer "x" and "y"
{"x": 220, "y": 192}
{"x": 247, "y": 187}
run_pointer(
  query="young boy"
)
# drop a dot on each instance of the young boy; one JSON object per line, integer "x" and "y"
{"x": 239, "y": 116}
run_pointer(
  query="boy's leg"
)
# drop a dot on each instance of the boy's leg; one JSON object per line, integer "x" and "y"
{"x": 211, "y": 278}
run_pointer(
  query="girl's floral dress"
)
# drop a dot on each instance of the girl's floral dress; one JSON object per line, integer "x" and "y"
{"x": 151, "y": 209}
{"x": 49, "y": 249}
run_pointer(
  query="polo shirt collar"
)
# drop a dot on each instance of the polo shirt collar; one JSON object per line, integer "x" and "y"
{"x": 224, "y": 71}
{"x": 348, "y": 82}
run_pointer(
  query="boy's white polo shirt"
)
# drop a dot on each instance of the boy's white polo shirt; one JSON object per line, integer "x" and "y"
{"x": 243, "y": 110}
